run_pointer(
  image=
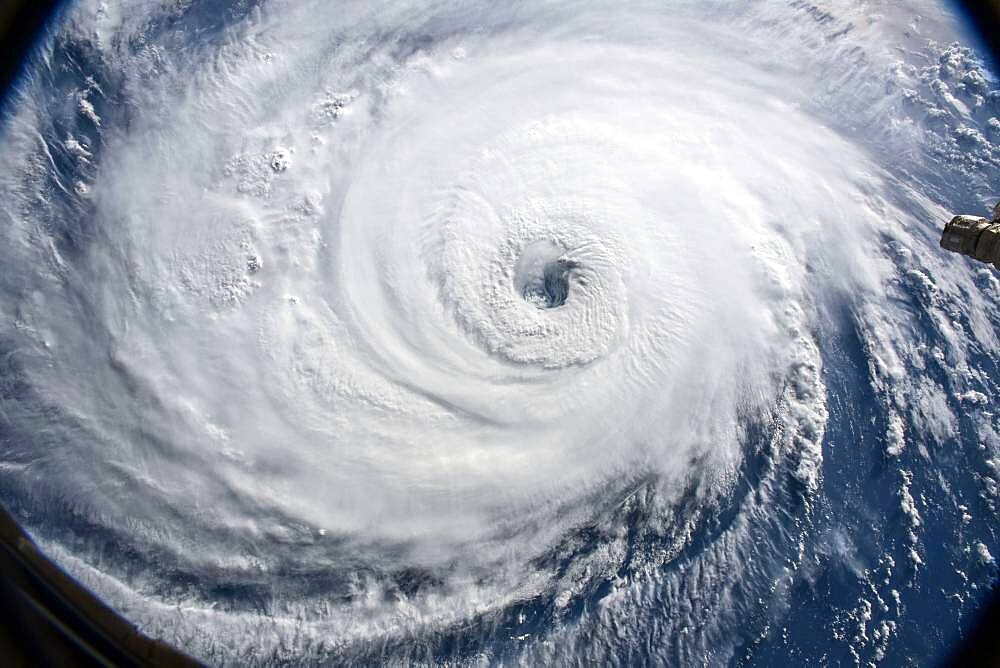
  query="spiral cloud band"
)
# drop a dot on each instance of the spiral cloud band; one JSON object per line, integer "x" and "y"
{"x": 550, "y": 332}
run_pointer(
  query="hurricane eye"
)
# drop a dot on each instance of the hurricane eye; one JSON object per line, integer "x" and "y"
{"x": 550, "y": 289}
{"x": 543, "y": 275}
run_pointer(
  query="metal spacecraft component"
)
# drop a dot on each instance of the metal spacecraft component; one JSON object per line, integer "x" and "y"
{"x": 49, "y": 619}
{"x": 975, "y": 236}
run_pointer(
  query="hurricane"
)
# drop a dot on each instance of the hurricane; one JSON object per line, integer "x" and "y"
{"x": 533, "y": 333}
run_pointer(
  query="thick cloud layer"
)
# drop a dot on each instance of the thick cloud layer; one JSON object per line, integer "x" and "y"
{"x": 442, "y": 331}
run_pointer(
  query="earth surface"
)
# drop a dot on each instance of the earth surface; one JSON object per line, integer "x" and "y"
{"x": 535, "y": 333}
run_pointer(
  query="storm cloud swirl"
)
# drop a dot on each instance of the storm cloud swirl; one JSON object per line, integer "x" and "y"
{"x": 522, "y": 332}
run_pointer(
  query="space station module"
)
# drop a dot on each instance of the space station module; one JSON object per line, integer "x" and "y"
{"x": 974, "y": 236}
